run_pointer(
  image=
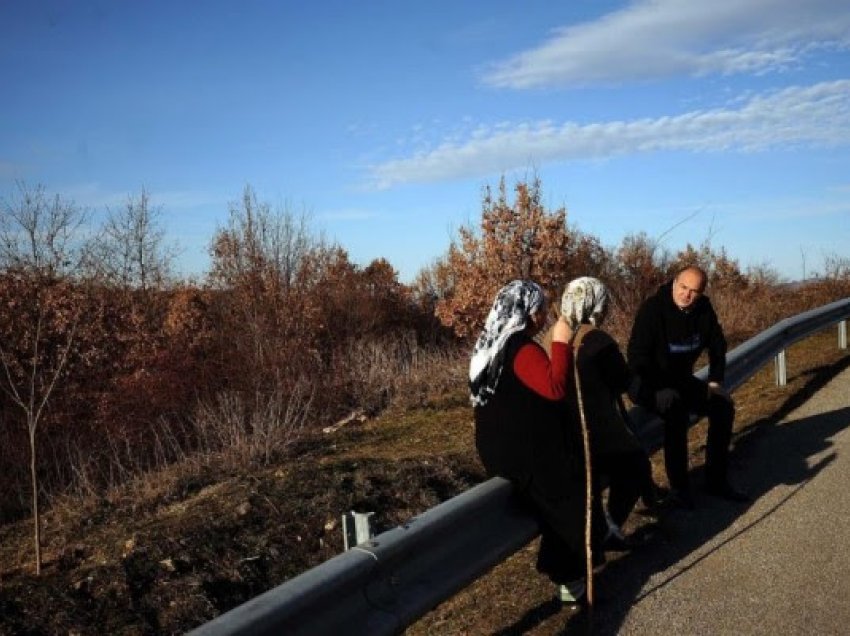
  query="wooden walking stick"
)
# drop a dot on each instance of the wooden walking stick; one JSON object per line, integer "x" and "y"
{"x": 588, "y": 492}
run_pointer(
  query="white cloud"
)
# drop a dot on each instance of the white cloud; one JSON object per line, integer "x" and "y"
{"x": 817, "y": 115}
{"x": 659, "y": 38}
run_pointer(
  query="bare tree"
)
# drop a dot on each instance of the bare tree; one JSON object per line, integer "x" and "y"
{"x": 41, "y": 233}
{"x": 130, "y": 248}
{"x": 260, "y": 243}
{"x": 40, "y": 243}
{"x": 836, "y": 267}
{"x": 258, "y": 258}
{"x": 31, "y": 389}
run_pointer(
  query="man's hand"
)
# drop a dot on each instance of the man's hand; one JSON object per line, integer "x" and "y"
{"x": 664, "y": 399}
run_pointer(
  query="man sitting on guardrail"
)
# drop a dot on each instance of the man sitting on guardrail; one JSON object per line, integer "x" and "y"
{"x": 670, "y": 331}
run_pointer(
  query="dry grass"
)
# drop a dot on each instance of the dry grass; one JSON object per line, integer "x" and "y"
{"x": 393, "y": 369}
{"x": 176, "y": 547}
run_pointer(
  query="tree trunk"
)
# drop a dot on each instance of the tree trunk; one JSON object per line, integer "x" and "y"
{"x": 35, "y": 514}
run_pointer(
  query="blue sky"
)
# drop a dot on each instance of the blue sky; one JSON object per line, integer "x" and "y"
{"x": 384, "y": 120}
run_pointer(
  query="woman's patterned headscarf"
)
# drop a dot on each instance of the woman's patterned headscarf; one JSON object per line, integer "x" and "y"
{"x": 510, "y": 314}
{"x": 585, "y": 300}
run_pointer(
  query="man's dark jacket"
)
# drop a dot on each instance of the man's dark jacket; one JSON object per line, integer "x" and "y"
{"x": 666, "y": 342}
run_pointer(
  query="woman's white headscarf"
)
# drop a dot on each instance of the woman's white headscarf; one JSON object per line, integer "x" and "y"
{"x": 510, "y": 314}
{"x": 585, "y": 300}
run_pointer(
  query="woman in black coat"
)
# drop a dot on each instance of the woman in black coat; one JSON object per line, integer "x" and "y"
{"x": 617, "y": 456}
{"x": 518, "y": 395}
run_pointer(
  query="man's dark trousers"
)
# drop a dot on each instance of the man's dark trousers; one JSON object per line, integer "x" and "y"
{"x": 674, "y": 405}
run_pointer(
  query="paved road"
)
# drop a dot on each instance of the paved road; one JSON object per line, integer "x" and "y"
{"x": 778, "y": 565}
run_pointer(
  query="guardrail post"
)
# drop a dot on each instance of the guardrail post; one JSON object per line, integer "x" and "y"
{"x": 842, "y": 334}
{"x": 781, "y": 369}
{"x": 356, "y": 528}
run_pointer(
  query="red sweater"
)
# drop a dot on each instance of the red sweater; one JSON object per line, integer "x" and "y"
{"x": 547, "y": 378}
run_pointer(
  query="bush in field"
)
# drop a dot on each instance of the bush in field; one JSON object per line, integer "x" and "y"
{"x": 77, "y": 358}
{"x": 266, "y": 319}
{"x": 161, "y": 346}
{"x": 75, "y": 343}
{"x": 369, "y": 330}
{"x": 639, "y": 265}
{"x": 42, "y": 324}
{"x": 257, "y": 430}
{"x": 355, "y": 302}
{"x": 515, "y": 240}
{"x": 291, "y": 309}
{"x": 835, "y": 280}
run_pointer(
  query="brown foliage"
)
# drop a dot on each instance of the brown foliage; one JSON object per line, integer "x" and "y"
{"x": 49, "y": 329}
{"x": 516, "y": 240}
{"x": 261, "y": 268}
{"x": 639, "y": 266}
{"x": 289, "y": 333}
{"x": 290, "y": 310}
{"x": 124, "y": 371}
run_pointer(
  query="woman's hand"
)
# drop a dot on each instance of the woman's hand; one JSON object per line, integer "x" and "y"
{"x": 562, "y": 332}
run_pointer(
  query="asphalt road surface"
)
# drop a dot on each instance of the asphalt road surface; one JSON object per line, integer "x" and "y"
{"x": 779, "y": 564}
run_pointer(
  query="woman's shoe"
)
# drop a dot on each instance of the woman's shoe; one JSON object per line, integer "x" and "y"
{"x": 573, "y": 593}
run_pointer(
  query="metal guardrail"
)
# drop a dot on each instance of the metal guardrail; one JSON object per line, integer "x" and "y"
{"x": 382, "y": 586}
{"x": 743, "y": 361}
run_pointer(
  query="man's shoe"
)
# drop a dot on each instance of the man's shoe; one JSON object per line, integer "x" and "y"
{"x": 626, "y": 544}
{"x": 653, "y": 503}
{"x": 725, "y": 491}
{"x": 618, "y": 542}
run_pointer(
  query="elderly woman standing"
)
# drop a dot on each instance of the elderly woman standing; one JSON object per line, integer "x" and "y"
{"x": 517, "y": 393}
{"x": 603, "y": 376}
